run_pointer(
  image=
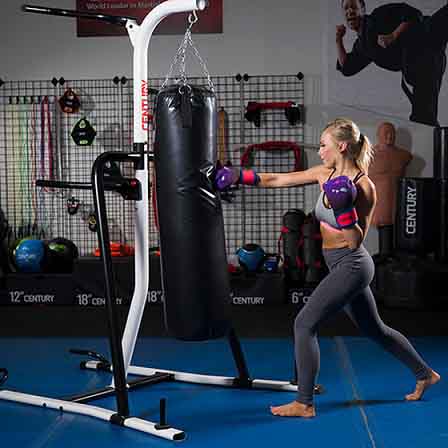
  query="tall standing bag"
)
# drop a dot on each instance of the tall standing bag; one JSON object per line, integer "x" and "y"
{"x": 193, "y": 258}
{"x": 417, "y": 215}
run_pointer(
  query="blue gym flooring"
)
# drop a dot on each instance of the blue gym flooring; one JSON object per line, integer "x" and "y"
{"x": 363, "y": 404}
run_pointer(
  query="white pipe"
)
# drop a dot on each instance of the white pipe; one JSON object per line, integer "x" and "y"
{"x": 212, "y": 380}
{"x": 91, "y": 411}
{"x": 60, "y": 405}
{"x": 140, "y": 40}
{"x": 140, "y": 37}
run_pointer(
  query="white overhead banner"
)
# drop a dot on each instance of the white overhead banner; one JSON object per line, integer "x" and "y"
{"x": 395, "y": 58}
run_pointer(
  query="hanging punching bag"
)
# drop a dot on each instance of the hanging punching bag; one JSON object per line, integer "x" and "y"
{"x": 194, "y": 264}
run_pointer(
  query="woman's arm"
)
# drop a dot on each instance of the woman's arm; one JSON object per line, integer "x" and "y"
{"x": 365, "y": 204}
{"x": 309, "y": 176}
{"x": 229, "y": 175}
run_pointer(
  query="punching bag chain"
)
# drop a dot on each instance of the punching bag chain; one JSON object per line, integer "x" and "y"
{"x": 181, "y": 55}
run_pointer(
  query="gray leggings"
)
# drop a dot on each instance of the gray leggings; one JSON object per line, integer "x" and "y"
{"x": 346, "y": 287}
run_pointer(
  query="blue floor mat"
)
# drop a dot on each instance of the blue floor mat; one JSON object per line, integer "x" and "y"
{"x": 359, "y": 409}
{"x": 382, "y": 382}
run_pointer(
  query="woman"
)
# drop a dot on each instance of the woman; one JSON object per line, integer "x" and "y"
{"x": 344, "y": 208}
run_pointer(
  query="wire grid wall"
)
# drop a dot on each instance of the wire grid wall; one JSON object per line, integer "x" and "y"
{"x": 263, "y": 209}
{"x": 36, "y": 142}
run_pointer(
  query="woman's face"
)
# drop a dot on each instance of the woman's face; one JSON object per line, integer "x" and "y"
{"x": 353, "y": 12}
{"x": 329, "y": 150}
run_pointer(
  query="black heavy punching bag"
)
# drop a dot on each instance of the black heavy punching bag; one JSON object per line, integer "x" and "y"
{"x": 194, "y": 264}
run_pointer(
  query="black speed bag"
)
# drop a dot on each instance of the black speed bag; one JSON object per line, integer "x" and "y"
{"x": 83, "y": 133}
{"x": 69, "y": 102}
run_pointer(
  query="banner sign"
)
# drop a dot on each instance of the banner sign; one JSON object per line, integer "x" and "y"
{"x": 210, "y": 20}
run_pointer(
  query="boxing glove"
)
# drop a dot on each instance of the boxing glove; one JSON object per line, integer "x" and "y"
{"x": 341, "y": 194}
{"x": 229, "y": 175}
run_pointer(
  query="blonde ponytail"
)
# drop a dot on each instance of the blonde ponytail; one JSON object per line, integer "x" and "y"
{"x": 365, "y": 154}
{"x": 359, "y": 148}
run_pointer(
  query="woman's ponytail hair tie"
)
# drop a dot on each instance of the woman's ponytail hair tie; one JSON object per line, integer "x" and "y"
{"x": 361, "y": 140}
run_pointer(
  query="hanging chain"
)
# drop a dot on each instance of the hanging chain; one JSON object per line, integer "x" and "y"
{"x": 181, "y": 56}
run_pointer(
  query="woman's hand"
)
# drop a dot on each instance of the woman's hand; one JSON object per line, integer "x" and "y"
{"x": 341, "y": 193}
{"x": 229, "y": 175}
